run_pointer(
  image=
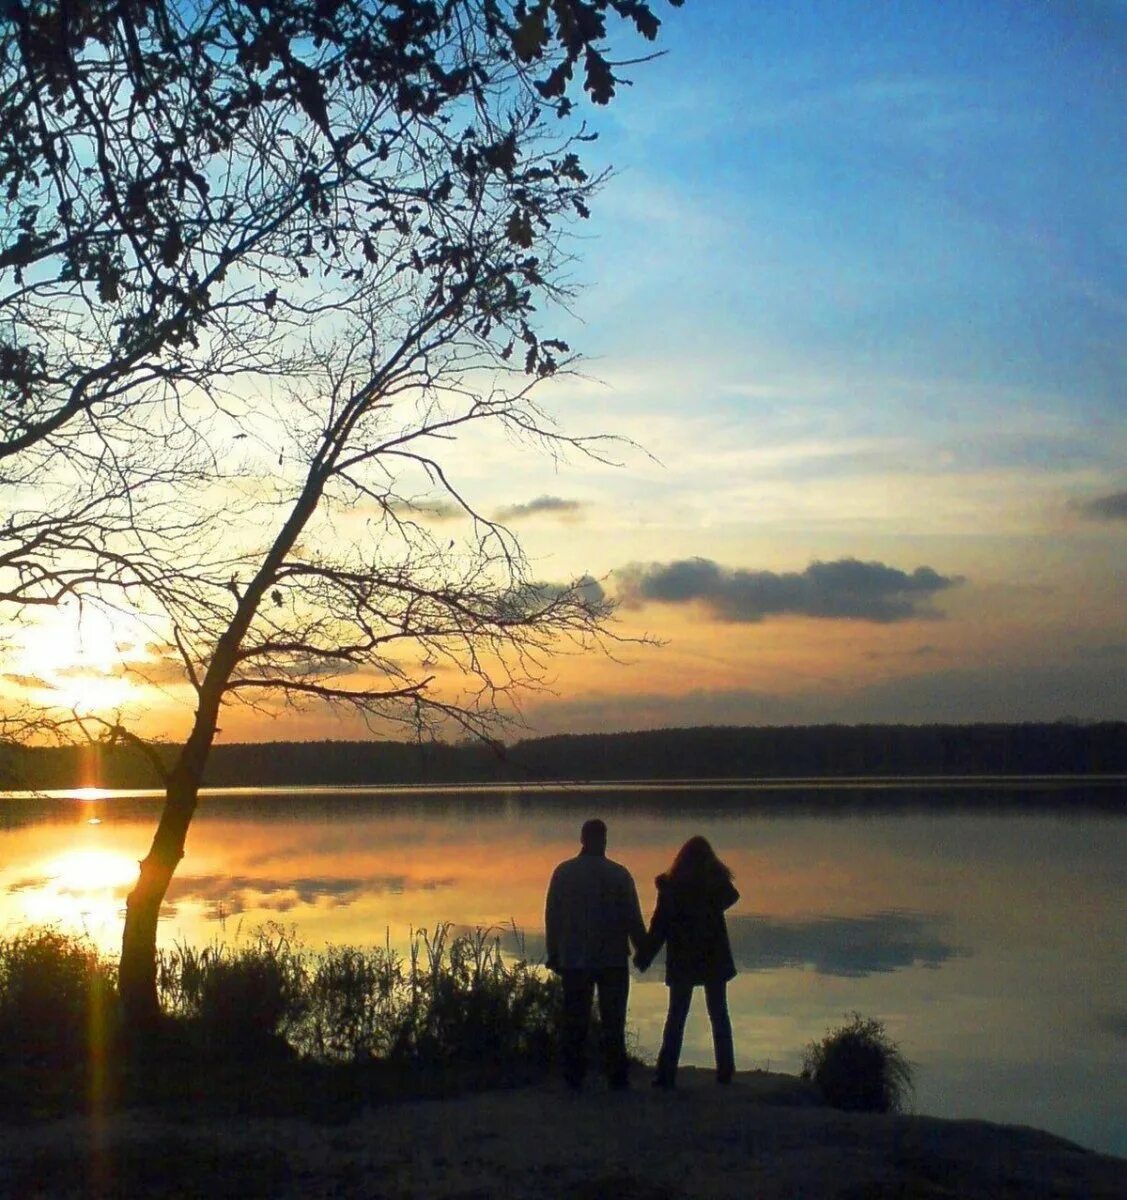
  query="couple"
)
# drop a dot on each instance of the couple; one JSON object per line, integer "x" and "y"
{"x": 592, "y": 912}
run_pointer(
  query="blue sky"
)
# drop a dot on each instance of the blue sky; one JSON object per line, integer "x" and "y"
{"x": 860, "y": 284}
{"x": 909, "y": 185}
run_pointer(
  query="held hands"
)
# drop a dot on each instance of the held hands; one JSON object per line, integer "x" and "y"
{"x": 645, "y": 951}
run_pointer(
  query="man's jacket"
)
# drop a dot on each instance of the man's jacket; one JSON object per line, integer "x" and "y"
{"x": 591, "y": 914}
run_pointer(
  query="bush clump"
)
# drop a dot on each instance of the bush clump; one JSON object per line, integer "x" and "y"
{"x": 352, "y": 1011}
{"x": 858, "y": 1067}
{"x": 453, "y": 997}
{"x": 57, "y": 997}
{"x": 238, "y": 998}
{"x": 463, "y": 1000}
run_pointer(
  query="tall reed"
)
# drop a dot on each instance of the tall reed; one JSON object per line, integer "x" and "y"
{"x": 451, "y": 996}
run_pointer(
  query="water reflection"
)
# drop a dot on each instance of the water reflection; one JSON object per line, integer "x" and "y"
{"x": 986, "y": 934}
{"x": 231, "y": 895}
{"x": 1114, "y": 1023}
{"x": 851, "y": 947}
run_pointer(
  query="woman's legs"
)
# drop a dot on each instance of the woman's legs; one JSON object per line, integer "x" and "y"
{"x": 716, "y": 997}
{"x": 680, "y": 997}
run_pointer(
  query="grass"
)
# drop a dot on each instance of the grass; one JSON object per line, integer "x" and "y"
{"x": 858, "y": 1067}
{"x": 335, "y": 1028}
{"x": 56, "y": 996}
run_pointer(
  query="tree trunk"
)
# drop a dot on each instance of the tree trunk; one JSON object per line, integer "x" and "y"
{"x": 137, "y": 982}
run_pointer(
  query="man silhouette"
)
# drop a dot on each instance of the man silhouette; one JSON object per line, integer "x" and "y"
{"x": 591, "y": 915}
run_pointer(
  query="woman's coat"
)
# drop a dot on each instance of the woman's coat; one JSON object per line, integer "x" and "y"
{"x": 689, "y": 922}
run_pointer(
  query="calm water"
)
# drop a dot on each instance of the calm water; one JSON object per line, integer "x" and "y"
{"x": 987, "y": 934}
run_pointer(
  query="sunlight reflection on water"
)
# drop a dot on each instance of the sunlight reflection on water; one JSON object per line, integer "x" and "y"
{"x": 988, "y": 941}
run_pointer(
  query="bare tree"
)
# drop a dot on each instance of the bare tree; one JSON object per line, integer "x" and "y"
{"x": 261, "y": 264}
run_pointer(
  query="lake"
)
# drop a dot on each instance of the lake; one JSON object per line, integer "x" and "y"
{"x": 984, "y": 925}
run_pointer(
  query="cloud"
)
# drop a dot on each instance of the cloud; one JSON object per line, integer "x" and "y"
{"x": 925, "y": 651}
{"x": 555, "y": 506}
{"x": 1086, "y": 689}
{"x": 532, "y": 597}
{"x": 25, "y": 681}
{"x": 1112, "y": 507}
{"x": 434, "y": 509}
{"x": 302, "y": 668}
{"x": 851, "y": 947}
{"x": 154, "y": 671}
{"x": 1102, "y": 653}
{"x": 1092, "y": 687}
{"x": 846, "y": 589}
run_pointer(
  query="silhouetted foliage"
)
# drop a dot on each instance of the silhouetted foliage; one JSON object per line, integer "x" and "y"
{"x": 828, "y": 751}
{"x": 858, "y": 1067}
{"x": 821, "y": 751}
{"x": 240, "y": 997}
{"x": 451, "y": 1012}
{"x": 259, "y": 264}
{"x": 57, "y": 998}
{"x": 453, "y": 997}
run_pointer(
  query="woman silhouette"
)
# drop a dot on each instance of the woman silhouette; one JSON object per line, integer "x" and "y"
{"x": 692, "y": 897}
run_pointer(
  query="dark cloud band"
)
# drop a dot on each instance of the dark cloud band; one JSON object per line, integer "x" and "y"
{"x": 554, "y": 506}
{"x": 846, "y": 589}
{"x": 1106, "y": 508}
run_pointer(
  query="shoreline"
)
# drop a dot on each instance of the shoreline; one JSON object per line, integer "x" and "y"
{"x": 766, "y": 1136}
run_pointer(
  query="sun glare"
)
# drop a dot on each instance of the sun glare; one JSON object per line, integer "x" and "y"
{"x": 89, "y": 793}
{"x": 82, "y": 890}
{"x": 85, "y": 871}
{"x": 77, "y": 656}
{"x": 88, "y": 694}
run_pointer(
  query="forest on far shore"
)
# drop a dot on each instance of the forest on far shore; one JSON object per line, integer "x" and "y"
{"x": 709, "y": 752}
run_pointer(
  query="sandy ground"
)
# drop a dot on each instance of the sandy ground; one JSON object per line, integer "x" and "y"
{"x": 762, "y": 1137}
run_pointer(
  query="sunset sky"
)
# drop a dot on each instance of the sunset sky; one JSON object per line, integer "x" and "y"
{"x": 860, "y": 288}
{"x": 858, "y": 293}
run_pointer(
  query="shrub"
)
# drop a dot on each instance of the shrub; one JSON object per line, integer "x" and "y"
{"x": 465, "y": 1002}
{"x": 353, "y": 1001}
{"x": 57, "y": 997}
{"x": 238, "y": 997}
{"x": 857, "y": 1066}
{"x": 450, "y": 999}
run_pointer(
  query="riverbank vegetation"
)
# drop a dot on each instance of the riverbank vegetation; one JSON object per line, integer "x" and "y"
{"x": 268, "y": 1026}
{"x": 267, "y": 1032}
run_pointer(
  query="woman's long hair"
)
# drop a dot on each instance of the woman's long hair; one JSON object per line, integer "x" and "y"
{"x": 696, "y": 863}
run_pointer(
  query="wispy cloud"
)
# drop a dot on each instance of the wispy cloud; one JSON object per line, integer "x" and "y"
{"x": 432, "y": 509}
{"x": 25, "y": 681}
{"x": 1112, "y": 507}
{"x": 925, "y": 651}
{"x": 552, "y": 506}
{"x": 847, "y": 589}
{"x": 156, "y": 671}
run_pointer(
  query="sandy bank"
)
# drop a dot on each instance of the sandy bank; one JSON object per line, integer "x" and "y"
{"x": 763, "y": 1137}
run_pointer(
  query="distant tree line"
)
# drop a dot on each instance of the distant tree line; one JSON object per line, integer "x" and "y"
{"x": 710, "y": 752}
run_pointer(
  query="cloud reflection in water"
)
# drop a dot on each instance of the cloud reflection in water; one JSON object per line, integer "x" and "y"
{"x": 848, "y": 947}
{"x": 232, "y": 894}
{"x": 852, "y": 947}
